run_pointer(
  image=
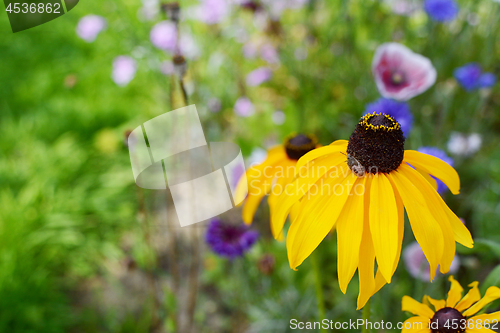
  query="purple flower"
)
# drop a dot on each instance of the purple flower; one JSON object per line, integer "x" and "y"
{"x": 433, "y": 151}
{"x": 124, "y": 69}
{"x": 418, "y": 266}
{"x": 259, "y": 76}
{"x": 400, "y": 73}
{"x": 212, "y": 11}
{"x": 250, "y": 50}
{"x": 269, "y": 53}
{"x": 228, "y": 240}
{"x": 90, "y": 26}
{"x": 471, "y": 77}
{"x": 399, "y": 110}
{"x": 163, "y": 35}
{"x": 441, "y": 10}
{"x": 243, "y": 107}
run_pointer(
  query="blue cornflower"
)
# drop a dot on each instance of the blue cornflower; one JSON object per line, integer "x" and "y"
{"x": 471, "y": 77}
{"x": 441, "y": 10}
{"x": 436, "y": 152}
{"x": 399, "y": 110}
{"x": 229, "y": 240}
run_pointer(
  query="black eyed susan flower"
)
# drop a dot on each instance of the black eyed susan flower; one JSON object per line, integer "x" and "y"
{"x": 361, "y": 187}
{"x": 275, "y": 172}
{"x": 453, "y": 315}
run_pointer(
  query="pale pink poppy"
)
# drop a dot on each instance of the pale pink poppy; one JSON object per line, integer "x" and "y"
{"x": 400, "y": 73}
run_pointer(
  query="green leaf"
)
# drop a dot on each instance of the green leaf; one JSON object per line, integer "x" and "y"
{"x": 493, "y": 279}
{"x": 481, "y": 246}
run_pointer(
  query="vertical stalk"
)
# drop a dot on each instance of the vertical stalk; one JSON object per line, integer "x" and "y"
{"x": 151, "y": 278}
{"x": 366, "y": 317}
{"x": 319, "y": 288}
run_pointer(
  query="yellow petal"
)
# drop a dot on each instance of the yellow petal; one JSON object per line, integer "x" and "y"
{"x": 472, "y": 297}
{"x": 379, "y": 279}
{"x": 431, "y": 180}
{"x": 366, "y": 263}
{"x": 479, "y": 330}
{"x": 435, "y": 167}
{"x": 335, "y": 147}
{"x": 426, "y": 230}
{"x": 251, "y": 204}
{"x": 477, "y": 324}
{"x": 432, "y": 199}
{"x": 492, "y": 293}
{"x": 460, "y": 231}
{"x": 417, "y": 308}
{"x": 241, "y": 190}
{"x": 349, "y": 231}
{"x": 384, "y": 224}
{"x": 455, "y": 293}
{"x": 416, "y": 325}
{"x": 307, "y": 231}
{"x": 272, "y": 200}
{"x": 260, "y": 179}
{"x": 298, "y": 188}
{"x": 438, "y": 304}
{"x": 490, "y": 319}
{"x": 343, "y": 143}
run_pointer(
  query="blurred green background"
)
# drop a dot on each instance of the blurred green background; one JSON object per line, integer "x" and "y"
{"x": 78, "y": 251}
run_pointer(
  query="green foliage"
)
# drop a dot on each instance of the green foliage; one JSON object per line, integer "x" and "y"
{"x": 68, "y": 202}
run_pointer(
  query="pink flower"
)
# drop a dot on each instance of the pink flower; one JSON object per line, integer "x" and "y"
{"x": 401, "y": 74}
{"x": 243, "y": 107}
{"x": 417, "y": 265}
{"x": 124, "y": 69}
{"x": 90, "y": 26}
{"x": 250, "y": 50}
{"x": 259, "y": 76}
{"x": 269, "y": 53}
{"x": 213, "y": 11}
{"x": 164, "y": 36}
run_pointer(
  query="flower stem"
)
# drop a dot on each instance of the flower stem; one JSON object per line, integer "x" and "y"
{"x": 366, "y": 317}
{"x": 319, "y": 287}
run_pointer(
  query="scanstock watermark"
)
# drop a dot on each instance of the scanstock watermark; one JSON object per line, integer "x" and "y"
{"x": 25, "y": 14}
{"x": 170, "y": 151}
{"x": 353, "y": 325}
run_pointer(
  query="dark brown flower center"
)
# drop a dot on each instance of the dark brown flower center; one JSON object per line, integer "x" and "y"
{"x": 376, "y": 145}
{"x": 448, "y": 320}
{"x": 298, "y": 145}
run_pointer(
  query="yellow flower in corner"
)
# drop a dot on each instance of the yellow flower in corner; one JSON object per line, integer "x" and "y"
{"x": 453, "y": 315}
{"x": 274, "y": 173}
{"x": 361, "y": 188}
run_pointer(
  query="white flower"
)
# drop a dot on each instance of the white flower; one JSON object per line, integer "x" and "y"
{"x": 464, "y": 145}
